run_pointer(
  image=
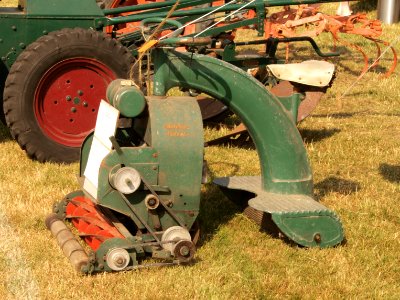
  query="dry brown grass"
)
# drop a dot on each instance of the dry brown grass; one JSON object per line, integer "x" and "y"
{"x": 355, "y": 154}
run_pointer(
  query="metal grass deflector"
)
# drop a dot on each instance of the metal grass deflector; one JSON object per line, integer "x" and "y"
{"x": 299, "y": 217}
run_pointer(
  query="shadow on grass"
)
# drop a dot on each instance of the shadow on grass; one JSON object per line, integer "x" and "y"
{"x": 215, "y": 210}
{"x": 344, "y": 115}
{"x": 4, "y": 133}
{"x": 219, "y": 207}
{"x": 242, "y": 140}
{"x": 364, "y": 6}
{"x": 347, "y": 115}
{"x": 310, "y": 135}
{"x": 335, "y": 185}
{"x": 390, "y": 172}
{"x": 234, "y": 167}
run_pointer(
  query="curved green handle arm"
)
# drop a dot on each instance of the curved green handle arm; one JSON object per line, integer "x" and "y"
{"x": 284, "y": 163}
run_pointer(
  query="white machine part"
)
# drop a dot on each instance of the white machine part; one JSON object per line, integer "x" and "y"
{"x": 126, "y": 180}
{"x": 173, "y": 235}
{"x": 309, "y": 72}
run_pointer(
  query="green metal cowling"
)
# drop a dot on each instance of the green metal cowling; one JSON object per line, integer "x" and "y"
{"x": 21, "y": 26}
{"x": 284, "y": 163}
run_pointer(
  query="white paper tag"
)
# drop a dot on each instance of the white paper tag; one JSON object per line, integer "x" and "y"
{"x": 106, "y": 125}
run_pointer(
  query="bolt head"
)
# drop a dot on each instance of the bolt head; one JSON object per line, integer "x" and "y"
{"x": 317, "y": 238}
{"x": 184, "y": 251}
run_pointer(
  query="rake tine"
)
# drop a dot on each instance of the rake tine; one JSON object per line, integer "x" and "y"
{"x": 394, "y": 64}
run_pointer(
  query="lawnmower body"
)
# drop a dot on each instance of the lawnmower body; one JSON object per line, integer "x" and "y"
{"x": 151, "y": 174}
{"x": 150, "y": 187}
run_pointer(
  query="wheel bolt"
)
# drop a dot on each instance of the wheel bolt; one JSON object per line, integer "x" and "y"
{"x": 73, "y": 109}
{"x": 68, "y": 98}
{"x": 80, "y": 93}
{"x": 85, "y": 104}
{"x": 317, "y": 238}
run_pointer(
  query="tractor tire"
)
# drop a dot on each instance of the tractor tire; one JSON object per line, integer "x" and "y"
{"x": 3, "y": 77}
{"x": 54, "y": 88}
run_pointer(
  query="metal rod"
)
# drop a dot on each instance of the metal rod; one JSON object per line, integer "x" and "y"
{"x": 163, "y": 204}
{"x": 132, "y": 8}
{"x": 67, "y": 242}
{"x": 275, "y": 41}
{"x": 188, "y": 3}
{"x": 198, "y": 19}
{"x": 223, "y": 19}
{"x": 362, "y": 75}
{"x": 133, "y": 210}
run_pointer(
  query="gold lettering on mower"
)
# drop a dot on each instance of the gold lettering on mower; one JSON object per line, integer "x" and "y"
{"x": 176, "y": 129}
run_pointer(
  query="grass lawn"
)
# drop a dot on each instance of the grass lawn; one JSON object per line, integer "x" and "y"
{"x": 353, "y": 142}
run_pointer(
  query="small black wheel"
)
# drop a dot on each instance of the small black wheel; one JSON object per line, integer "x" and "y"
{"x": 54, "y": 89}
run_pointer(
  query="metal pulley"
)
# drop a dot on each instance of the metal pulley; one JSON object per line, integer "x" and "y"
{"x": 178, "y": 241}
{"x": 117, "y": 259}
{"x": 125, "y": 180}
{"x": 151, "y": 202}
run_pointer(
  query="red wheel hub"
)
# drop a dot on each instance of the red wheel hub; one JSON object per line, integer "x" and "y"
{"x": 68, "y": 96}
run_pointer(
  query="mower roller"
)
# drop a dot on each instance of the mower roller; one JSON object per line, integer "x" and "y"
{"x": 58, "y": 57}
{"x": 141, "y": 170}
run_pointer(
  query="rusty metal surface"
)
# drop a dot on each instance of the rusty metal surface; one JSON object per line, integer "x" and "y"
{"x": 223, "y": 139}
{"x": 307, "y": 20}
{"x": 210, "y": 107}
{"x": 312, "y": 96}
{"x": 255, "y": 215}
{"x": 309, "y": 104}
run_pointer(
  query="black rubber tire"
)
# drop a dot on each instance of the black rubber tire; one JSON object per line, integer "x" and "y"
{"x": 3, "y": 77}
{"x": 29, "y": 68}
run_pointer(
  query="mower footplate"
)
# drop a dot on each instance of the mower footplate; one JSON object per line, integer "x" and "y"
{"x": 299, "y": 217}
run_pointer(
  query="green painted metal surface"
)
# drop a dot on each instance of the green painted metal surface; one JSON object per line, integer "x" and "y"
{"x": 311, "y": 228}
{"x": 299, "y": 217}
{"x": 22, "y": 26}
{"x": 62, "y": 8}
{"x": 284, "y": 163}
{"x": 285, "y": 188}
{"x": 128, "y": 99}
{"x": 171, "y": 163}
